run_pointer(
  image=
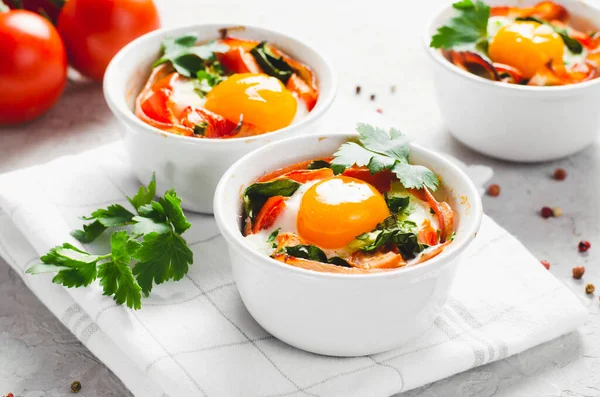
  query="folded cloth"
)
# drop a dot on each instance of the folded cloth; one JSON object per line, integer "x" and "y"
{"x": 195, "y": 337}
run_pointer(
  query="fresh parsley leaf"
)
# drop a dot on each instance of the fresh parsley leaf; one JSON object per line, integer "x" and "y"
{"x": 469, "y": 26}
{"x": 378, "y": 151}
{"x": 115, "y": 275}
{"x": 207, "y": 80}
{"x": 77, "y": 267}
{"x": 256, "y": 194}
{"x": 314, "y": 253}
{"x": 171, "y": 204}
{"x": 270, "y": 63}
{"x": 397, "y": 204}
{"x": 186, "y": 57}
{"x": 273, "y": 235}
{"x": 145, "y": 195}
{"x": 161, "y": 257}
{"x": 318, "y": 164}
{"x": 393, "y": 231}
{"x": 89, "y": 233}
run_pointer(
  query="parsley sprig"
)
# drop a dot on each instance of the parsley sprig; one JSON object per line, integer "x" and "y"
{"x": 151, "y": 251}
{"x": 379, "y": 150}
{"x": 469, "y": 26}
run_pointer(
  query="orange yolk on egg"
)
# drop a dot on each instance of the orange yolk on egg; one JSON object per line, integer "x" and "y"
{"x": 527, "y": 46}
{"x": 263, "y": 101}
{"x": 336, "y": 210}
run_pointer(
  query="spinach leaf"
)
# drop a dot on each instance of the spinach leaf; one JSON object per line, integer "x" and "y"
{"x": 186, "y": 57}
{"x": 395, "y": 232}
{"x": 397, "y": 204}
{"x": 256, "y": 194}
{"x": 314, "y": 253}
{"x": 318, "y": 164}
{"x": 270, "y": 63}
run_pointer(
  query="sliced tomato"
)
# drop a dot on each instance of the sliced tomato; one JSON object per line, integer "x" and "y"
{"x": 268, "y": 213}
{"x": 217, "y": 125}
{"x": 286, "y": 239}
{"x": 500, "y": 11}
{"x": 549, "y": 11}
{"x": 382, "y": 181}
{"x": 431, "y": 253}
{"x": 427, "y": 233}
{"x": 514, "y": 75}
{"x": 157, "y": 108}
{"x": 376, "y": 260}
{"x": 303, "y": 90}
{"x": 238, "y": 60}
{"x": 246, "y": 45}
{"x": 282, "y": 171}
{"x": 304, "y": 176}
{"x": 322, "y": 267}
{"x": 473, "y": 63}
{"x": 549, "y": 76}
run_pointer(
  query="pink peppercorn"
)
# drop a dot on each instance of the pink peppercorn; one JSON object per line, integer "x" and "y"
{"x": 583, "y": 246}
{"x": 547, "y": 212}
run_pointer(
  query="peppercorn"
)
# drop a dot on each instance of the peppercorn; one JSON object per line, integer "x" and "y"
{"x": 493, "y": 190}
{"x": 559, "y": 174}
{"x": 556, "y": 212}
{"x": 357, "y": 89}
{"x": 578, "y": 272}
{"x": 76, "y": 386}
{"x": 589, "y": 289}
{"x": 379, "y": 110}
{"x": 547, "y": 212}
{"x": 583, "y": 246}
{"x": 546, "y": 264}
{"x": 372, "y": 97}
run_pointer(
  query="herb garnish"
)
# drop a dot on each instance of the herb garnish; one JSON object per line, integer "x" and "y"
{"x": 200, "y": 128}
{"x": 153, "y": 243}
{"x": 314, "y": 253}
{"x": 396, "y": 232}
{"x": 378, "y": 150}
{"x": 256, "y": 194}
{"x": 273, "y": 235}
{"x": 397, "y": 204}
{"x": 318, "y": 164}
{"x": 186, "y": 57}
{"x": 572, "y": 44}
{"x": 270, "y": 63}
{"x": 469, "y": 26}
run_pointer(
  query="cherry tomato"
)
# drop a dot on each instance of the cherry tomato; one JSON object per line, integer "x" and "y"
{"x": 95, "y": 30}
{"x": 33, "y": 66}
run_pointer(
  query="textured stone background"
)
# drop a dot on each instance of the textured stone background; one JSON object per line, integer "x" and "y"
{"x": 374, "y": 44}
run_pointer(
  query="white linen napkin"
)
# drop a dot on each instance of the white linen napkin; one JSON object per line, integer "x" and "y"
{"x": 195, "y": 337}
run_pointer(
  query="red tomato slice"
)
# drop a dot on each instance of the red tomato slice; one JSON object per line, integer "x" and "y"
{"x": 268, "y": 213}
{"x": 382, "y": 181}
{"x": 303, "y": 176}
{"x": 303, "y": 90}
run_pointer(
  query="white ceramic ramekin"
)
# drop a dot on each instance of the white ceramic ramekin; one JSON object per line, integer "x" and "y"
{"x": 340, "y": 314}
{"x": 513, "y": 122}
{"x": 190, "y": 165}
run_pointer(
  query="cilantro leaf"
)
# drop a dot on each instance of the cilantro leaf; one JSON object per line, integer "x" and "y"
{"x": 416, "y": 176}
{"x": 393, "y": 145}
{"x": 378, "y": 151}
{"x": 161, "y": 257}
{"x": 186, "y": 57}
{"x": 145, "y": 195}
{"x": 144, "y": 225}
{"x": 469, "y": 26}
{"x": 115, "y": 275}
{"x": 273, "y": 235}
{"x": 89, "y": 233}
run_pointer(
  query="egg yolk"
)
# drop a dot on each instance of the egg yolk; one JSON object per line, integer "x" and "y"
{"x": 527, "y": 46}
{"x": 263, "y": 101}
{"x": 336, "y": 210}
